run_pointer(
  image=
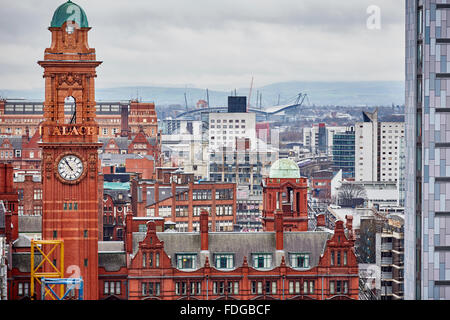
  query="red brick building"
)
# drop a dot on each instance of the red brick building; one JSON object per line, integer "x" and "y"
{"x": 28, "y": 184}
{"x": 147, "y": 150}
{"x": 142, "y": 117}
{"x": 321, "y": 184}
{"x": 70, "y": 146}
{"x": 284, "y": 190}
{"x": 242, "y": 266}
{"x": 158, "y": 265}
{"x": 152, "y": 262}
{"x": 114, "y": 117}
{"x": 116, "y": 205}
{"x": 181, "y": 203}
{"x": 21, "y": 151}
{"x": 9, "y": 200}
{"x": 142, "y": 144}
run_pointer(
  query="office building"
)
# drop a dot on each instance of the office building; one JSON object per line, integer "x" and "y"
{"x": 319, "y": 138}
{"x": 344, "y": 153}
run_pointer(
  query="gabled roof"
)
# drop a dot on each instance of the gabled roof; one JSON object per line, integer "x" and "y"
{"x": 121, "y": 142}
{"x": 16, "y": 141}
{"x": 241, "y": 244}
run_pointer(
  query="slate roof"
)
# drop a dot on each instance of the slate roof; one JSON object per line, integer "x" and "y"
{"x": 241, "y": 244}
{"x": 122, "y": 142}
{"x": 16, "y": 141}
{"x": 126, "y": 197}
{"x": 109, "y": 159}
{"x": 112, "y": 261}
{"x": 22, "y": 261}
{"x": 111, "y": 255}
{"x": 30, "y": 224}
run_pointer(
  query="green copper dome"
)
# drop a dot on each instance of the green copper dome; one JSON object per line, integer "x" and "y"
{"x": 69, "y": 11}
{"x": 284, "y": 169}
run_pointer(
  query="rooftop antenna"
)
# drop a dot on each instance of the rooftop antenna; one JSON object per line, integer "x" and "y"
{"x": 250, "y": 95}
{"x": 257, "y": 98}
{"x": 185, "y": 101}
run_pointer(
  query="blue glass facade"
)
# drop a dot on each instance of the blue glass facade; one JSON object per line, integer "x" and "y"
{"x": 344, "y": 153}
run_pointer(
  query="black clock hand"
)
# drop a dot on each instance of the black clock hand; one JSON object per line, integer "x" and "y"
{"x": 68, "y": 165}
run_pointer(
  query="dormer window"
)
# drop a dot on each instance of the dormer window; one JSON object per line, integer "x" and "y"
{"x": 224, "y": 261}
{"x": 262, "y": 260}
{"x": 186, "y": 261}
{"x": 299, "y": 260}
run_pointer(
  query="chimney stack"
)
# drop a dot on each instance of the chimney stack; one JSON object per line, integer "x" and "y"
{"x": 124, "y": 126}
{"x": 129, "y": 232}
{"x": 204, "y": 216}
{"x": 6, "y": 178}
{"x": 321, "y": 220}
{"x": 349, "y": 225}
{"x": 279, "y": 230}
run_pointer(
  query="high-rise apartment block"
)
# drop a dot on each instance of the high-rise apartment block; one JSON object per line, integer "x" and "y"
{"x": 427, "y": 206}
{"x": 377, "y": 149}
{"x": 226, "y": 127}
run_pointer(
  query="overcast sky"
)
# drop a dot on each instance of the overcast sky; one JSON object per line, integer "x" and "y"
{"x": 215, "y": 44}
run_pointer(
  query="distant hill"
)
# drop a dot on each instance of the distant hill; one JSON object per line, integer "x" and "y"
{"x": 382, "y": 93}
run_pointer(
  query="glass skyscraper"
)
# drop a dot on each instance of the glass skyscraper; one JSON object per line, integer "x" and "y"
{"x": 427, "y": 205}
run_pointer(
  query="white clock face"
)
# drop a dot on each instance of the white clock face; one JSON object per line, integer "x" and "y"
{"x": 70, "y": 167}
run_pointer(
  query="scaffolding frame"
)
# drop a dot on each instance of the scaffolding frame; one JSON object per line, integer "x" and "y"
{"x": 55, "y": 272}
{"x": 71, "y": 283}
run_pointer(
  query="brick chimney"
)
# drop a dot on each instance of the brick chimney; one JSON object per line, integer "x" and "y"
{"x": 6, "y": 178}
{"x": 279, "y": 230}
{"x": 349, "y": 225}
{"x": 321, "y": 220}
{"x": 124, "y": 126}
{"x": 151, "y": 227}
{"x": 204, "y": 216}
{"x": 11, "y": 201}
{"x": 129, "y": 232}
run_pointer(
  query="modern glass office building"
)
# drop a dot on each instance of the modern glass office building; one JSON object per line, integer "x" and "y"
{"x": 344, "y": 153}
{"x": 427, "y": 206}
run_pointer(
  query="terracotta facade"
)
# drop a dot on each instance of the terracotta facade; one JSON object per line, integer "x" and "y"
{"x": 288, "y": 196}
{"x": 70, "y": 207}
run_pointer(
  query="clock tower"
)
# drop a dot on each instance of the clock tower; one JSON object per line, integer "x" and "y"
{"x": 70, "y": 146}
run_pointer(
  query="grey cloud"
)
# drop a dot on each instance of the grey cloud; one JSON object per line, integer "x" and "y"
{"x": 212, "y": 42}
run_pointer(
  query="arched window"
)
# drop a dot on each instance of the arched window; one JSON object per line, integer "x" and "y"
{"x": 69, "y": 110}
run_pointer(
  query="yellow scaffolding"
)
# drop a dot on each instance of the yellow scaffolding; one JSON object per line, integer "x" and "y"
{"x": 54, "y": 273}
